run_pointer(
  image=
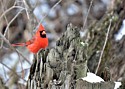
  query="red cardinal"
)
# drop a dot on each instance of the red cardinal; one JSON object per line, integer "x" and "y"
{"x": 37, "y": 42}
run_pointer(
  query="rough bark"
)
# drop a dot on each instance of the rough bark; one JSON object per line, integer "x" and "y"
{"x": 114, "y": 51}
{"x": 86, "y": 85}
{"x": 63, "y": 67}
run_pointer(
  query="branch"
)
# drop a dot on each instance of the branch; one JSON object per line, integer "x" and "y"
{"x": 13, "y": 47}
{"x": 84, "y": 22}
{"x": 11, "y": 70}
{"x": 106, "y": 39}
{"x": 47, "y": 14}
{"x": 13, "y": 7}
{"x": 26, "y": 9}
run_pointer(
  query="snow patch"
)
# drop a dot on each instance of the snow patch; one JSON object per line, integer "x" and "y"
{"x": 117, "y": 85}
{"x": 121, "y": 32}
{"x": 92, "y": 78}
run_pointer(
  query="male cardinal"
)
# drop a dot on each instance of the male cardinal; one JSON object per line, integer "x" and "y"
{"x": 37, "y": 42}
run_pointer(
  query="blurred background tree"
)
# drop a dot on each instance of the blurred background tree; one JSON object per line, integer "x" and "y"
{"x": 19, "y": 19}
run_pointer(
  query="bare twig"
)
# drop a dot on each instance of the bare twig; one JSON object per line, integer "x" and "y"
{"x": 5, "y": 74}
{"x": 6, "y": 22}
{"x": 11, "y": 70}
{"x": 21, "y": 66}
{"x": 13, "y": 47}
{"x": 6, "y": 30}
{"x": 50, "y": 10}
{"x": 84, "y": 22}
{"x": 12, "y": 21}
{"x": 29, "y": 5}
{"x": 13, "y": 7}
{"x": 26, "y": 6}
{"x": 47, "y": 14}
{"x": 23, "y": 70}
{"x": 100, "y": 58}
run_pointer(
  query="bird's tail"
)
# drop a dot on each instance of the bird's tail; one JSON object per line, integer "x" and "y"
{"x": 19, "y": 44}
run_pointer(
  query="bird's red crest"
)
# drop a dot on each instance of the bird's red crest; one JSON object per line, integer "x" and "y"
{"x": 41, "y": 27}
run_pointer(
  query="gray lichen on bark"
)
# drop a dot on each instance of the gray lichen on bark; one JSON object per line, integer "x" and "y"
{"x": 67, "y": 60}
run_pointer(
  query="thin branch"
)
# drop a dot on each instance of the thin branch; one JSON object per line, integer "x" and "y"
{"x": 11, "y": 70}
{"x": 5, "y": 74}
{"x": 106, "y": 39}
{"x": 21, "y": 66}
{"x": 48, "y": 13}
{"x": 50, "y": 10}
{"x": 29, "y": 5}
{"x": 6, "y": 30}
{"x": 26, "y": 6}
{"x": 6, "y": 22}
{"x": 12, "y": 21}
{"x": 2, "y": 36}
{"x": 13, "y": 7}
{"x": 87, "y": 14}
{"x": 23, "y": 70}
{"x": 8, "y": 79}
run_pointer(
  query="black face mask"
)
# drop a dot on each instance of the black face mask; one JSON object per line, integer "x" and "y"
{"x": 42, "y": 35}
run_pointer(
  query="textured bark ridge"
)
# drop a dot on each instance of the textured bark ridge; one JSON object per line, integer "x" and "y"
{"x": 113, "y": 55}
{"x": 64, "y": 66}
{"x": 67, "y": 59}
{"x": 86, "y": 85}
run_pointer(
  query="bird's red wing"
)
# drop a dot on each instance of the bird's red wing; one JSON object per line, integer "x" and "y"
{"x": 30, "y": 41}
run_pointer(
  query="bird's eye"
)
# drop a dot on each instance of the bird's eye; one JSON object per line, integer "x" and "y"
{"x": 43, "y": 34}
